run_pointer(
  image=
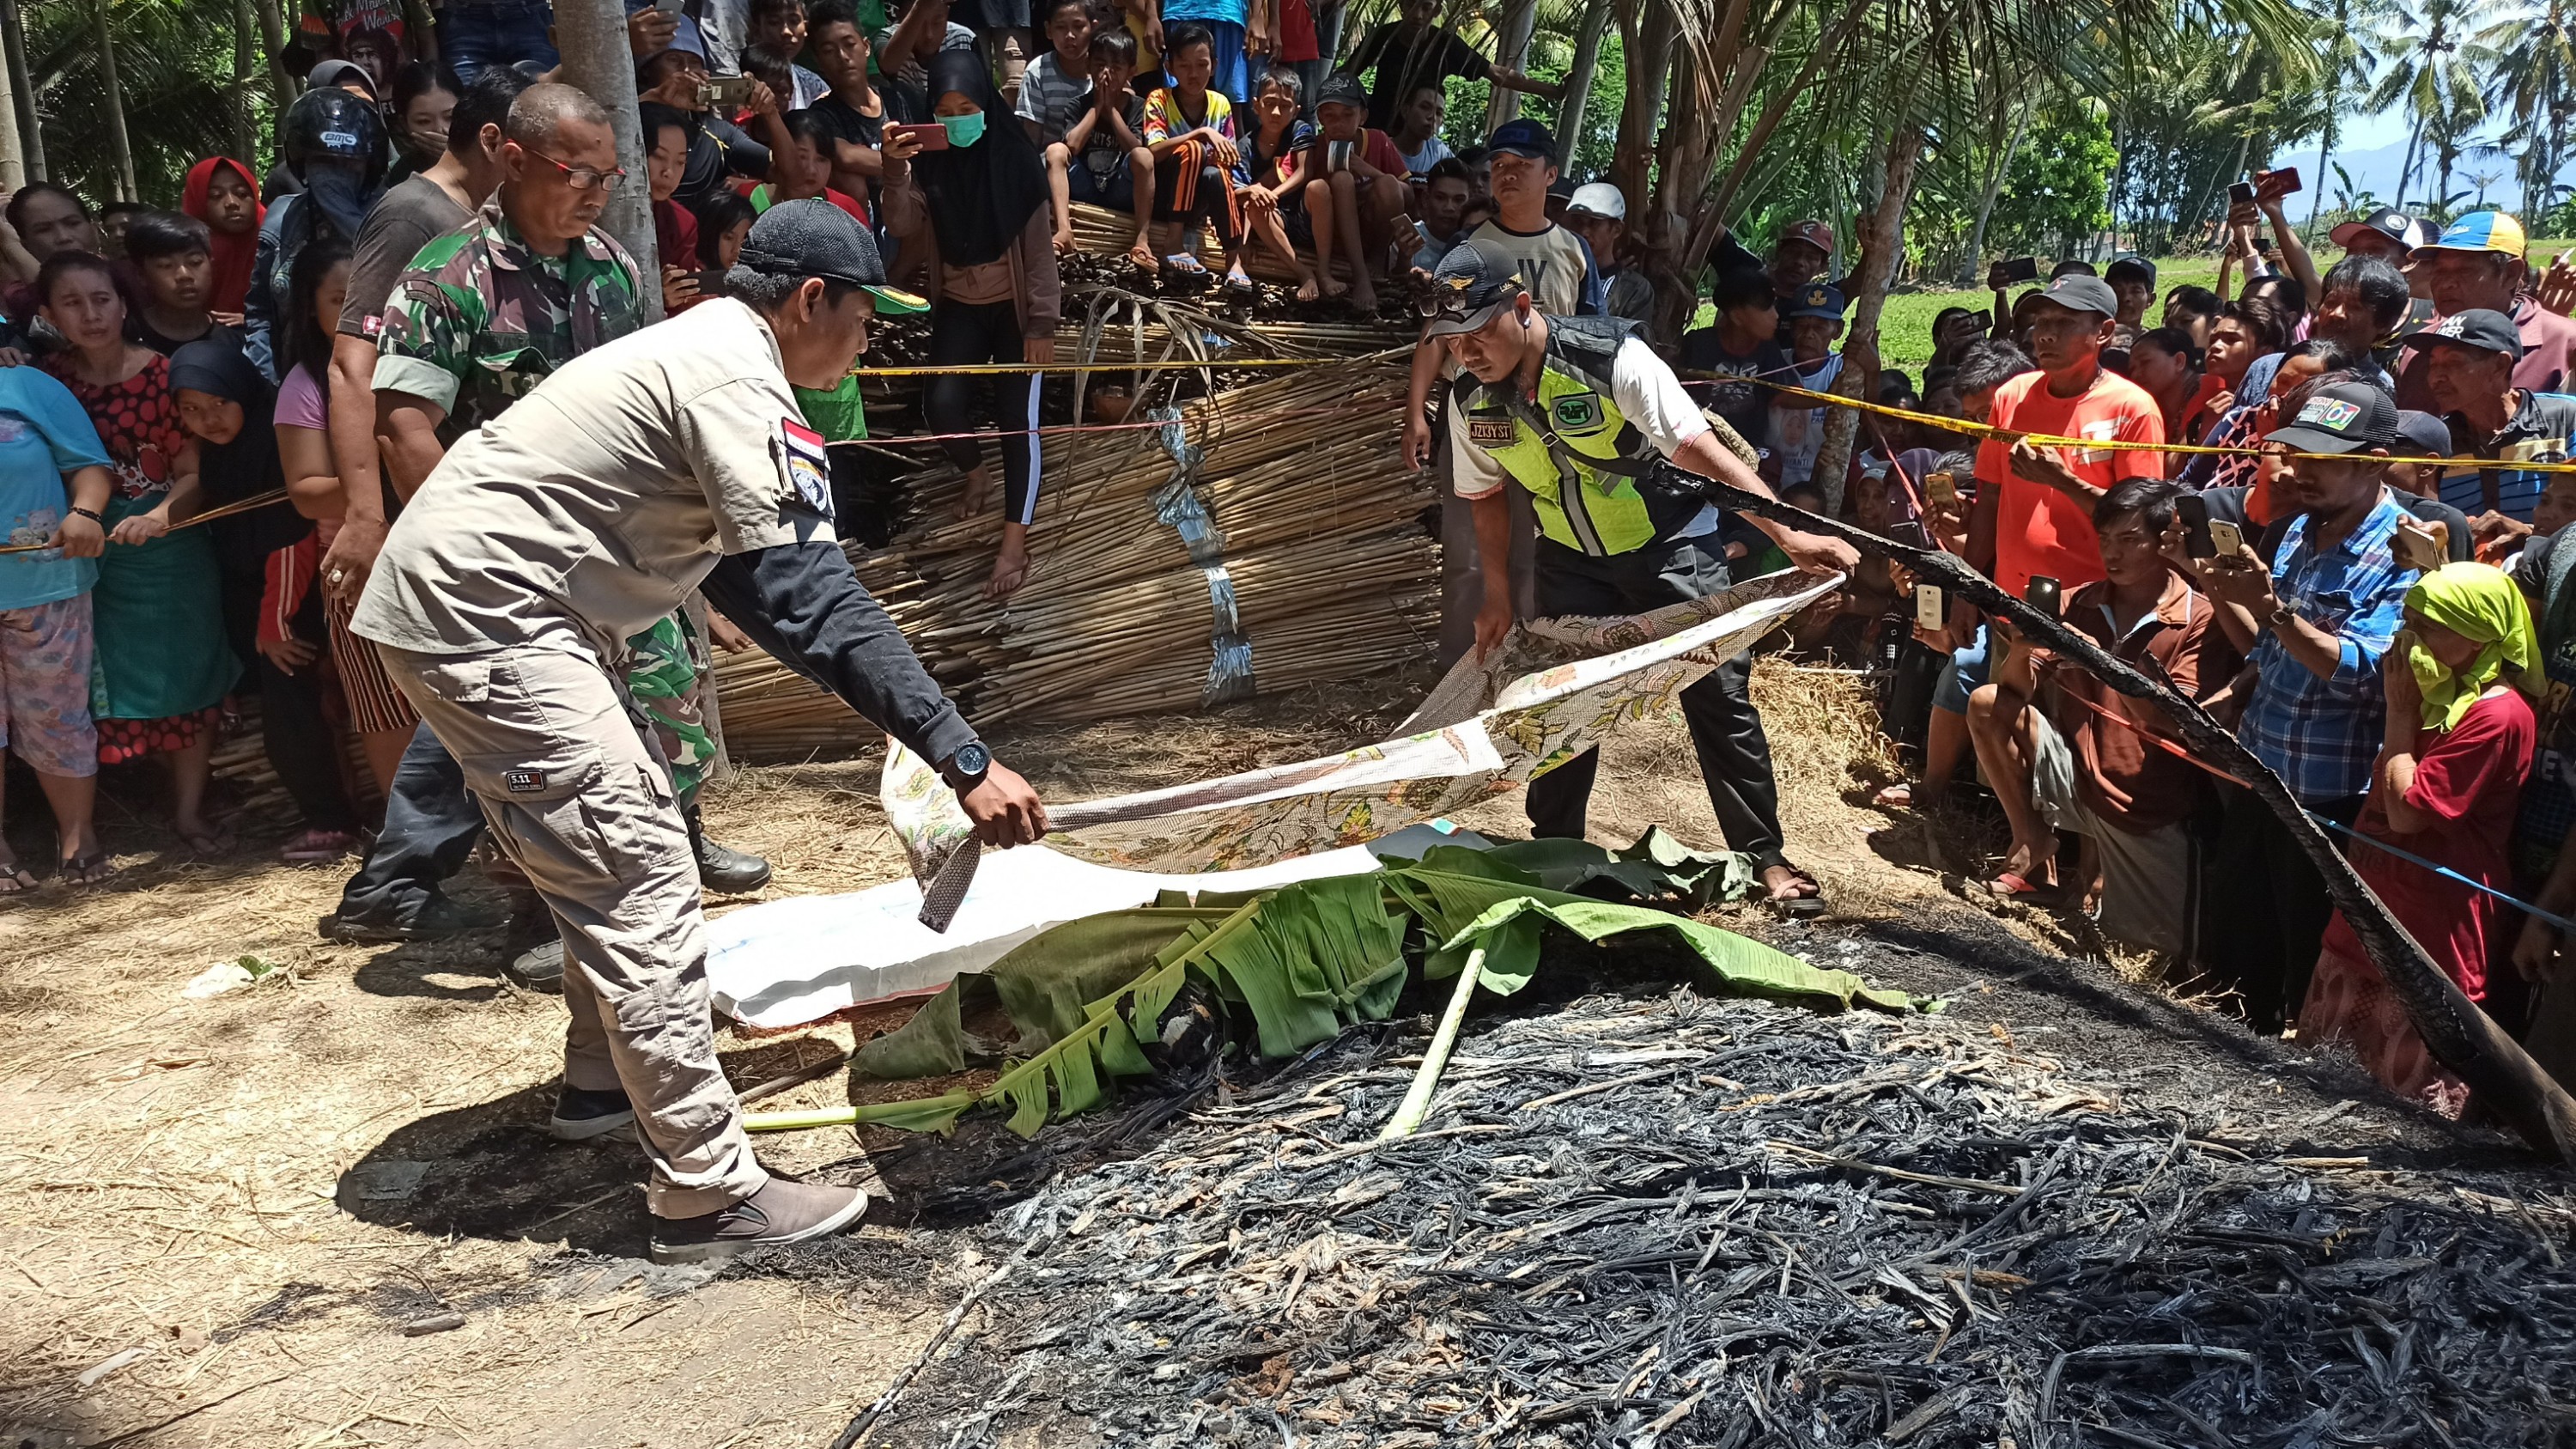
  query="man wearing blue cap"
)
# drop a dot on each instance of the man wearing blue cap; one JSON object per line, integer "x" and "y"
{"x": 2478, "y": 262}
{"x": 670, "y": 460}
{"x": 1815, "y": 320}
{"x": 1582, "y": 416}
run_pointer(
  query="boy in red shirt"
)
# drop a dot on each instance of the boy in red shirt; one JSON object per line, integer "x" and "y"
{"x": 2034, "y": 510}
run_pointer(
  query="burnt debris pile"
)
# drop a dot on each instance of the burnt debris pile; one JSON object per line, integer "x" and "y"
{"x": 1725, "y": 1222}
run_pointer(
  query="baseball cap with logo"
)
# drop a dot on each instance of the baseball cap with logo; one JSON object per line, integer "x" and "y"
{"x": 1472, "y": 285}
{"x": 1814, "y": 233}
{"x": 1817, "y": 300}
{"x": 2387, "y": 222}
{"x": 1342, "y": 88}
{"x": 2479, "y": 327}
{"x": 814, "y": 238}
{"x": 1523, "y": 137}
{"x": 2077, "y": 292}
{"x": 1599, "y": 198}
{"x": 2482, "y": 231}
{"x": 2345, "y": 418}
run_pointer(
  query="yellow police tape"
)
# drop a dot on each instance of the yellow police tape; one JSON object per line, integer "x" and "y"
{"x": 2052, "y": 440}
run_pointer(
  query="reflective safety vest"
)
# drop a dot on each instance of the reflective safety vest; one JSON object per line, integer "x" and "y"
{"x": 1570, "y": 447}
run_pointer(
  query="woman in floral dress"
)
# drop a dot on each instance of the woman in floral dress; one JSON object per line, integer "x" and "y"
{"x": 162, "y": 667}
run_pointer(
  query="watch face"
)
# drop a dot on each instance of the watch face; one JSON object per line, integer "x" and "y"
{"x": 972, "y": 759}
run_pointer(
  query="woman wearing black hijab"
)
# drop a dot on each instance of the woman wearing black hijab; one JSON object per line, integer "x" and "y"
{"x": 272, "y": 612}
{"x": 978, "y": 208}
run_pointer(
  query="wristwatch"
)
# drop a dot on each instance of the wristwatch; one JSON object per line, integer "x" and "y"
{"x": 2276, "y": 619}
{"x": 965, "y": 769}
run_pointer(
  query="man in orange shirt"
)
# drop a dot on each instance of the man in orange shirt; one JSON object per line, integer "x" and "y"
{"x": 2034, "y": 510}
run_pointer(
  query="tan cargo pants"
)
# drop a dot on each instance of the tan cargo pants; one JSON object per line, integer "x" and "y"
{"x": 585, "y": 808}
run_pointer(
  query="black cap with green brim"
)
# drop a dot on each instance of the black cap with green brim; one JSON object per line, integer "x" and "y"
{"x": 814, "y": 238}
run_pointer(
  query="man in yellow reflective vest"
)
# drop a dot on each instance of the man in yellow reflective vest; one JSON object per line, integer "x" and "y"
{"x": 1579, "y": 411}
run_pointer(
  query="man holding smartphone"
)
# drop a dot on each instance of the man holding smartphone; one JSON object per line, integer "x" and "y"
{"x": 2315, "y": 625}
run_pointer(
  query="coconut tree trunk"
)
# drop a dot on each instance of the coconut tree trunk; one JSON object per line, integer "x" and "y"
{"x": 1994, "y": 189}
{"x": 1511, "y": 48}
{"x": 245, "y": 142}
{"x": 1648, "y": 45}
{"x": 13, "y": 162}
{"x": 114, "y": 96}
{"x": 22, "y": 94}
{"x": 1882, "y": 245}
{"x": 592, "y": 36}
{"x": 1578, "y": 81}
{"x": 272, "y": 34}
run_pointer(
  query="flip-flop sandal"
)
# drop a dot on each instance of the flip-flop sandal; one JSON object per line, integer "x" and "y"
{"x": 1240, "y": 286}
{"x": 1187, "y": 265}
{"x": 1888, "y": 797}
{"x": 16, "y": 880}
{"x": 87, "y": 870}
{"x": 2010, "y": 886}
{"x": 209, "y": 843}
{"x": 1801, "y": 908}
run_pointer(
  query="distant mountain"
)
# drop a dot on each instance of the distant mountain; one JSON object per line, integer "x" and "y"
{"x": 2375, "y": 170}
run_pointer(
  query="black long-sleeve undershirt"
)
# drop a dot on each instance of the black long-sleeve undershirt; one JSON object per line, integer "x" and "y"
{"x": 804, "y": 604}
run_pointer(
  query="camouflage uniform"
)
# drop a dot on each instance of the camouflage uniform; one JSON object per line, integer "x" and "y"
{"x": 474, "y": 324}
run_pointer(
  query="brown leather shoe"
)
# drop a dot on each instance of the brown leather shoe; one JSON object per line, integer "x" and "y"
{"x": 781, "y": 1212}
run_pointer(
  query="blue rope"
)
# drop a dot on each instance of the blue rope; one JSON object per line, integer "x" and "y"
{"x": 2375, "y": 843}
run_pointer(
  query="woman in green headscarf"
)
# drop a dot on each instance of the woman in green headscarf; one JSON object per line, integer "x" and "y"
{"x": 2459, "y": 738}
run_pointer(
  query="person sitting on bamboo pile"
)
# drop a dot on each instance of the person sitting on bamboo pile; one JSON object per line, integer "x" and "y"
{"x": 1271, "y": 201}
{"x": 2065, "y": 752}
{"x": 1055, "y": 92}
{"x": 54, "y": 490}
{"x": 980, "y": 207}
{"x": 2458, "y": 742}
{"x": 482, "y": 314}
{"x": 626, "y": 480}
{"x": 1352, "y": 181}
{"x": 1103, "y": 159}
{"x": 1611, "y": 543}
{"x": 1191, "y": 131}
{"x": 1415, "y": 50}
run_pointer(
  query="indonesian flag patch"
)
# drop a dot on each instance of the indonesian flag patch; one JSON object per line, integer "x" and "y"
{"x": 808, "y": 466}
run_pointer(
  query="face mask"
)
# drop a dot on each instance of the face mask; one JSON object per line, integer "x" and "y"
{"x": 964, "y": 130}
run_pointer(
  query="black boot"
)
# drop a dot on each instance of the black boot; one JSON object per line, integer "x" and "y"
{"x": 721, "y": 868}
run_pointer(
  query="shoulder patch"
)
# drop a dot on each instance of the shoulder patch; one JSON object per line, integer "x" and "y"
{"x": 806, "y": 468}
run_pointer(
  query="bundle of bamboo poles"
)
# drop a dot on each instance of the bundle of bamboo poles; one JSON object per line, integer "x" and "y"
{"x": 1316, "y": 526}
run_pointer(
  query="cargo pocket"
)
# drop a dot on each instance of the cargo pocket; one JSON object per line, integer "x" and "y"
{"x": 640, "y": 828}
{"x": 535, "y": 805}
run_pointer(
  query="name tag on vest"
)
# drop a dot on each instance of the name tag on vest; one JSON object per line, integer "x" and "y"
{"x": 1491, "y": 433}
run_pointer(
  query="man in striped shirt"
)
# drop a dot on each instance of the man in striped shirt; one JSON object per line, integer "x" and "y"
{"x": 2468, "y": 360}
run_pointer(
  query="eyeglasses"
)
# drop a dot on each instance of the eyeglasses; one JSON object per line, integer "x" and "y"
{"x": 582, "y": 178}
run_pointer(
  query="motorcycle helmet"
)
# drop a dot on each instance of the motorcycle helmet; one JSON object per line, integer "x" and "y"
{"x": 335, "y": 125}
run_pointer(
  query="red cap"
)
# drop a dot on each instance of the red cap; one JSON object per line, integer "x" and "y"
{"x": 1814, "y": 233}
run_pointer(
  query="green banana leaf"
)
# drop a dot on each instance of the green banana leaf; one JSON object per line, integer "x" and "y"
{"x": 1308, "y": 960}
{"x": 931, "y": 1044}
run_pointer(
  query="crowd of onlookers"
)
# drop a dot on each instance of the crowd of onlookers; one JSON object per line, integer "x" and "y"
{"x": 420, "y": 247}
{"x": 2375, "y": 598}
{"x": 2394, "y": 639}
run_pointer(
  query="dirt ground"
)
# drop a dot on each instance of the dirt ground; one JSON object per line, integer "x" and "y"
{"x": 219, "y": 1217}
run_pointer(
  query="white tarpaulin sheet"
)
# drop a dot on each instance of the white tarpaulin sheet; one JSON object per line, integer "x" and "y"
{"x": 1555, "y": 689}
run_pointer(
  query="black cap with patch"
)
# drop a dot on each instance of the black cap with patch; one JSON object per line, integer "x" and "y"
{"x": 1474, "y": 281}
{"x": 2345, "y": 418}
{"x": 814, "y": 238}
{"x": 2483, "y": 328}
{"x": 2079, "y": 293}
